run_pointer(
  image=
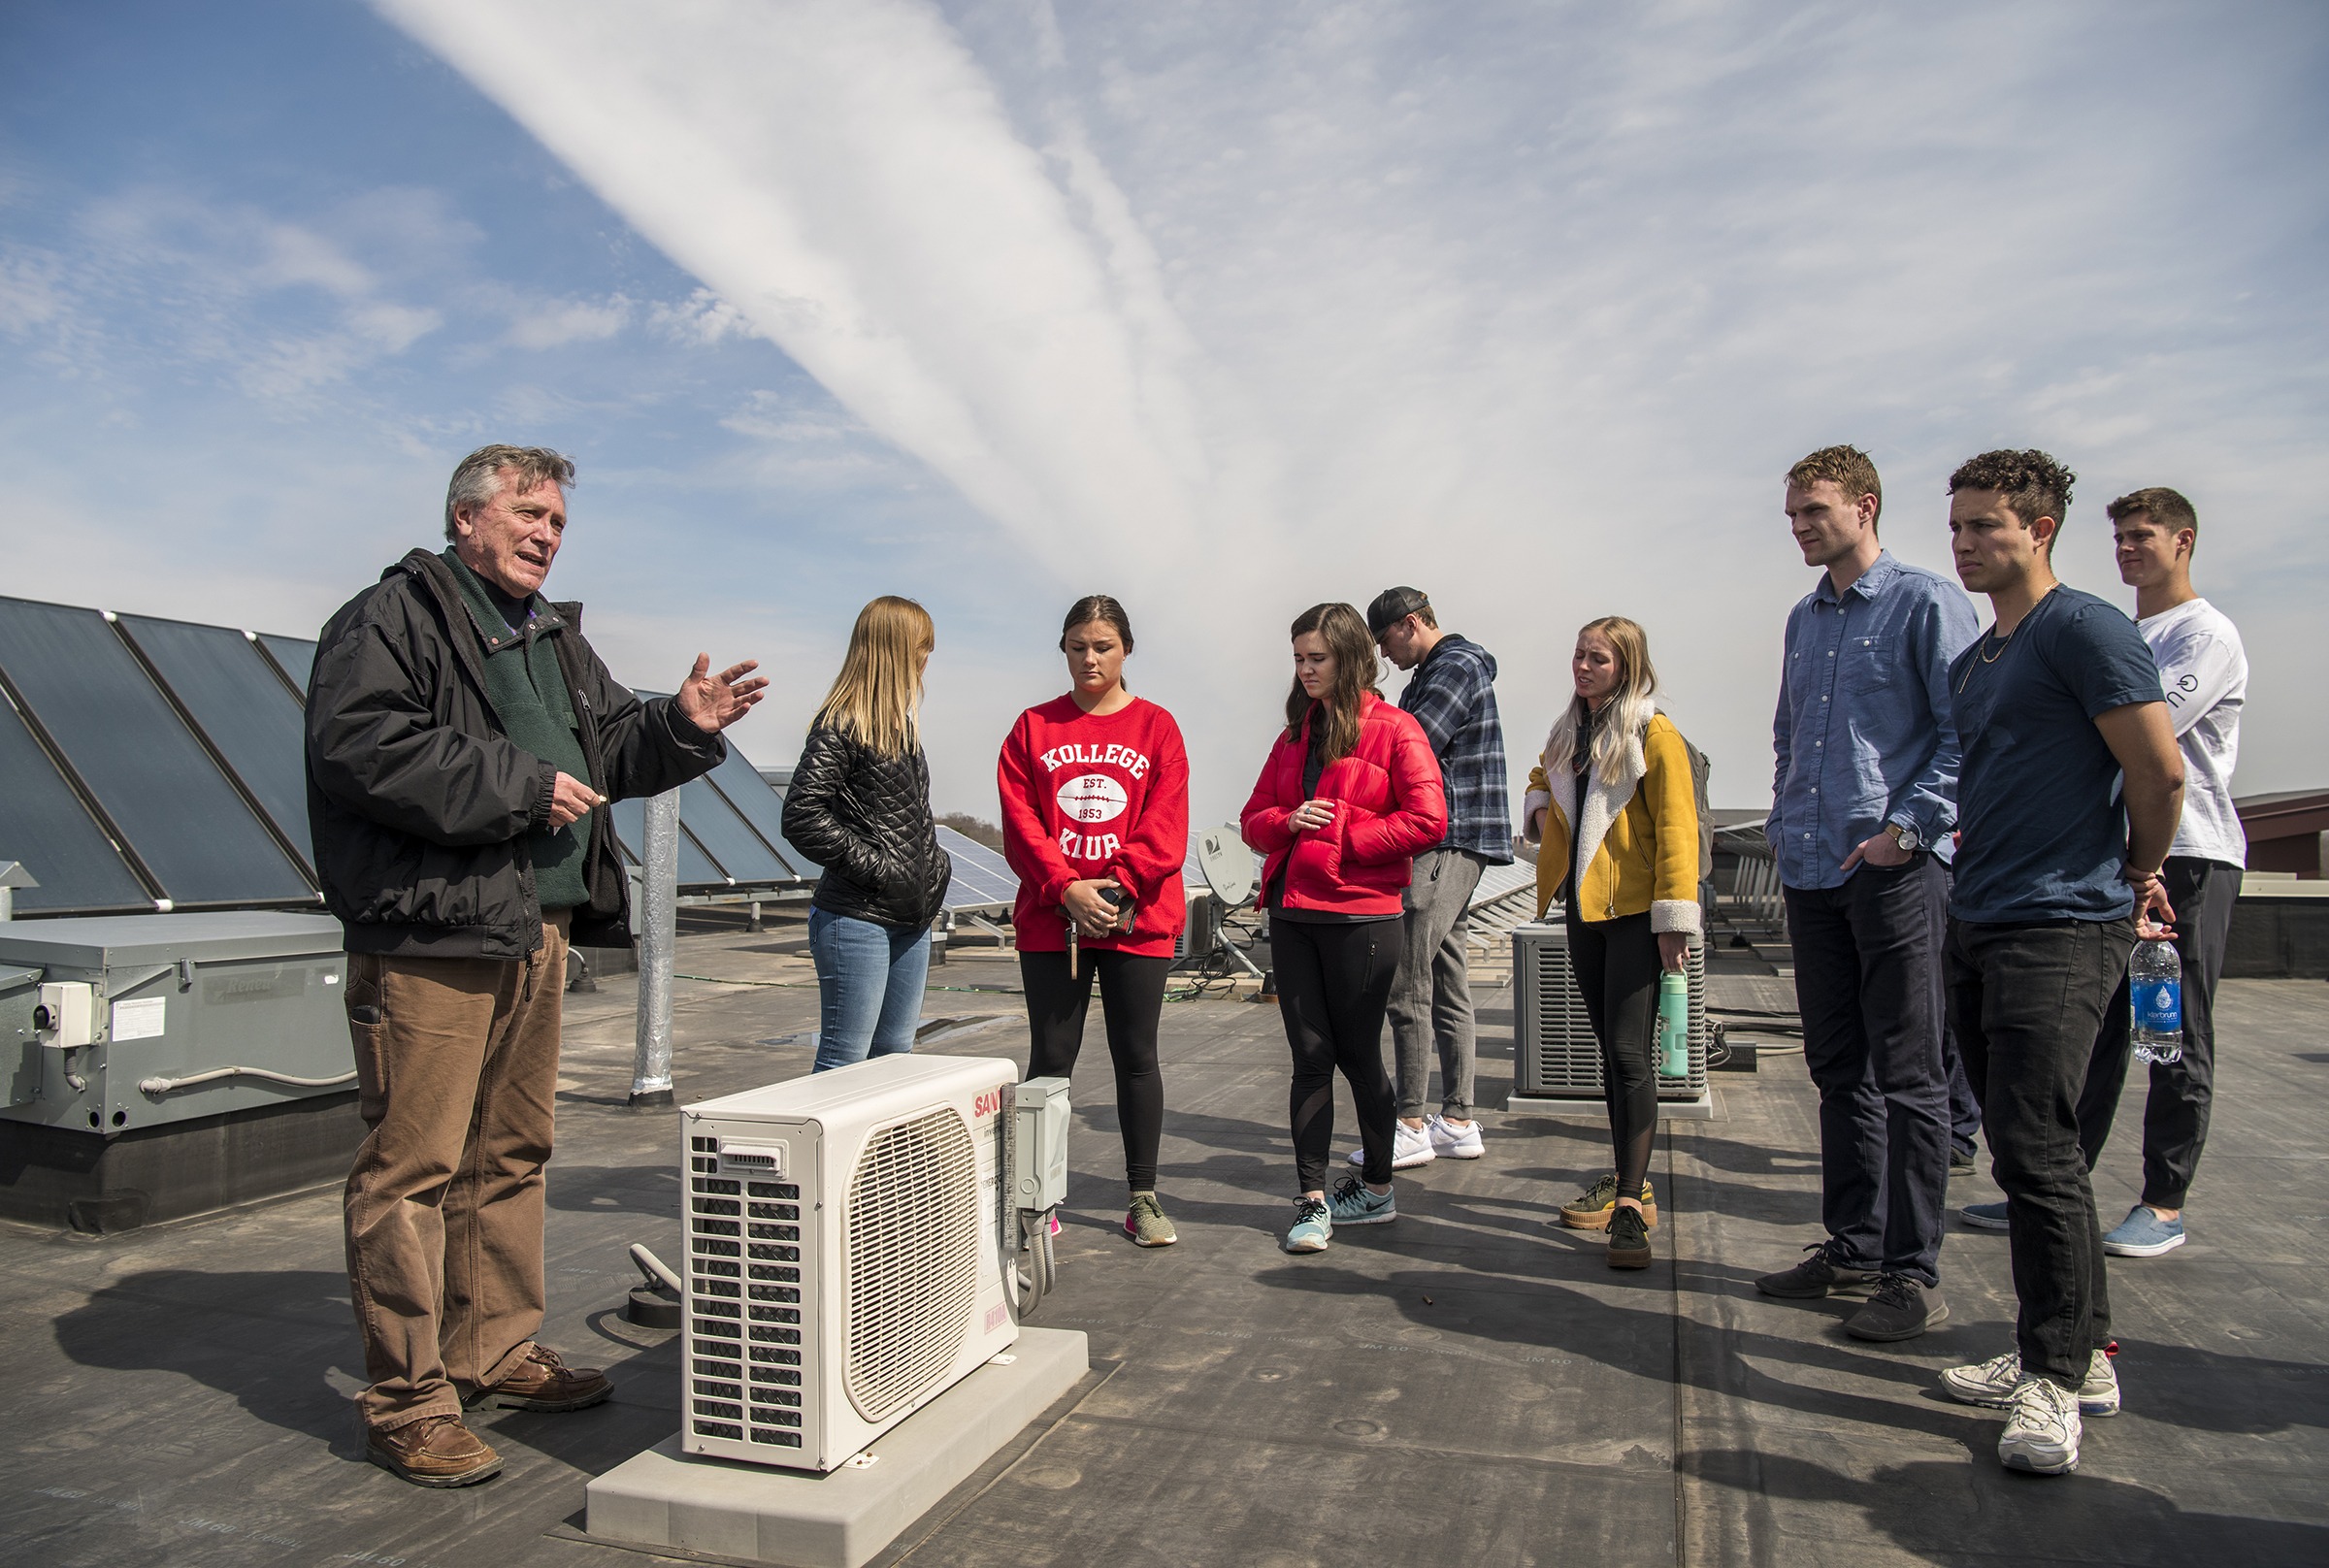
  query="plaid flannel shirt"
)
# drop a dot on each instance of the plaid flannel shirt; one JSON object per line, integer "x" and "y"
{"x": 1453, "y": 695}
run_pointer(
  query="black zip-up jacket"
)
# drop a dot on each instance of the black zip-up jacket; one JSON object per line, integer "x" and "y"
{"x": 419, "y": 805}
{"x": 865, "y": 818}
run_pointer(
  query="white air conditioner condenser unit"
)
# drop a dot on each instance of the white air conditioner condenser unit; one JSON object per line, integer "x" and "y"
{"x": 849, "y": 1245}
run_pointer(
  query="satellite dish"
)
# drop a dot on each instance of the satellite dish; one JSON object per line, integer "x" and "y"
{"x": 1227, "y": 864}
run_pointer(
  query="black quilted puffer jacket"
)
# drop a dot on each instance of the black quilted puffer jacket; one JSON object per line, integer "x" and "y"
{"x": 866, "y": 819}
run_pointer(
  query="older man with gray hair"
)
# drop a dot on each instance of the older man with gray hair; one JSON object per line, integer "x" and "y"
{"x": 463, "y": 743}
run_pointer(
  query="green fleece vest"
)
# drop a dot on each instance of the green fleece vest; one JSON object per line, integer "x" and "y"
{"x": 529, "y": 696}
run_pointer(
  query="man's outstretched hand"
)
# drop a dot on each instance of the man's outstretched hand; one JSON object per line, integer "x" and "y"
{"x": 712, "y": 703}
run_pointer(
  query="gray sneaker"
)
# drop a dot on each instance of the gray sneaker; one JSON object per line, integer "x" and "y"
{"x": 1984, "y": 1216}
{"x": 1145, "y": 1222}
{"x": 1816, "y": 1277}
{"x": 1993, "y": 1382}
{"x": 1902, "y": 1308}
{"x": 2041, "y": 1429}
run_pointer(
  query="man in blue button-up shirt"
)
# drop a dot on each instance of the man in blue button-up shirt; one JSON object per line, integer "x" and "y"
{"x": 1864, "y": 798}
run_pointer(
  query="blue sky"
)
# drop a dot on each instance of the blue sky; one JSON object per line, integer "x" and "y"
{"x": 1224, "y": 308}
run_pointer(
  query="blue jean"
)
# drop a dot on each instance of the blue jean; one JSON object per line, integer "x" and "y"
{"x": 870, "y": 981}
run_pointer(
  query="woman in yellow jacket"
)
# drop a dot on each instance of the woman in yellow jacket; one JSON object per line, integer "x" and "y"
{"x": 1612, "y": 805}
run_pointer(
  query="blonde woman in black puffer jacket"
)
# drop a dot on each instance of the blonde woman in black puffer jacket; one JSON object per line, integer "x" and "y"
{"x": 859, "y": 806}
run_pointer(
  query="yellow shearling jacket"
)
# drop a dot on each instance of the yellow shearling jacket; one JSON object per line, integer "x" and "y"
{"x": 1644, "y": 830}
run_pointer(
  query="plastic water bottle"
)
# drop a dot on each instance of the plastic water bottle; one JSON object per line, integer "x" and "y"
{"x": 2155, "y": 989}
{"x": 1673, "y": 1025}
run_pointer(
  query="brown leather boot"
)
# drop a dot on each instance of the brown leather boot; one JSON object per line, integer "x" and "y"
{"x": 435, "y": 1451}
{"x": 543, "y": 1382}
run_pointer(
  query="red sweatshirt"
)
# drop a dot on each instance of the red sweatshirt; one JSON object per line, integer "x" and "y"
{"x": 1088, "y": 796}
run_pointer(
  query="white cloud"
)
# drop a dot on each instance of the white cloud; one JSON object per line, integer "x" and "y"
{"x": 702, "y": 319}
{"x": 561, "y": 322}
{"x": 1251, "y": 305}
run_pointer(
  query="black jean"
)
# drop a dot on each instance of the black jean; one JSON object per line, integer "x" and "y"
{"x": 1132, "y": 994}
{"x": 1964, "y": 1105}
{"x": 2027, "y": 1002}
{"x": 1868, "y": 988}
{"x": 2175, "y": 1113}
{"x": 1617, "y": 968}
{"x": 1334, "y": 983}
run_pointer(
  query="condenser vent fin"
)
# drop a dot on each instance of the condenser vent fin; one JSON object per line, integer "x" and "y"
{"x": 909, "y": 1261}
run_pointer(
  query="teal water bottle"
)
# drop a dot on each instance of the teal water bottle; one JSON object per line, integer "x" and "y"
{"x": 1673, "y": 1025}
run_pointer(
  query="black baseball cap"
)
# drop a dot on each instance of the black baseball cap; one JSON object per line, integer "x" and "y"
{"x": 1393, "y": 605}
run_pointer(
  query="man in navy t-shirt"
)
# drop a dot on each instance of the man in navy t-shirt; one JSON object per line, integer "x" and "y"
{"x": 2069, "y": 789}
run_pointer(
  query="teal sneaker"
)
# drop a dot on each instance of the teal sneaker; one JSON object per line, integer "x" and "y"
{"x": 1313, "y": 1227}
{"x": 1354, "y": 1204}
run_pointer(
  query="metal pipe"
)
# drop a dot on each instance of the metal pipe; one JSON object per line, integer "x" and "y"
{"x": 658, "y": 941}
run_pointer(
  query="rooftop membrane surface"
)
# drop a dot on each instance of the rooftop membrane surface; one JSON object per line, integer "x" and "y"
{"x": 1465, "y": 1386}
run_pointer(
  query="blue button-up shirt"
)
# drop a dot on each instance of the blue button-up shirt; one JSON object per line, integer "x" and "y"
{"x": 1863, "y": 733}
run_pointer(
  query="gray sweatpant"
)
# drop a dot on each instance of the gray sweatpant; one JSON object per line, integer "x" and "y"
{"x": 1431, "y": 1000}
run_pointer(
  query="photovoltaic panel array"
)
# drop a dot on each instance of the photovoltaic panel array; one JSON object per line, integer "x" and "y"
{"x": 147, "y": 761}
{"x": 982, "y": 878}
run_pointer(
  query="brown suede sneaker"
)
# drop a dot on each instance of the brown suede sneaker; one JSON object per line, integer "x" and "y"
{"x": 543, "y": 1382}
{"x": 435, "y": 1451}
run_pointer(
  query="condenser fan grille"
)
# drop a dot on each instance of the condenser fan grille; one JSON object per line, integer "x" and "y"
{"x": 909, "y": 1261}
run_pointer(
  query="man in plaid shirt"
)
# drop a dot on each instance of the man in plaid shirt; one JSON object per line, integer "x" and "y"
{"x": 1453, "y": 695}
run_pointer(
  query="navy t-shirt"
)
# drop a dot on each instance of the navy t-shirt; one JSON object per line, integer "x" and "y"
{"x": 2038, "y": 802}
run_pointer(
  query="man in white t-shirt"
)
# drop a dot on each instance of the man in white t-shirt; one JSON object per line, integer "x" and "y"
{"x": 2206, "y": 678}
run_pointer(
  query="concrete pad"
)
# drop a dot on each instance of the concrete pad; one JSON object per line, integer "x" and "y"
{"x": 1706, "y": 1106}
{"x": 663, "y": 1498}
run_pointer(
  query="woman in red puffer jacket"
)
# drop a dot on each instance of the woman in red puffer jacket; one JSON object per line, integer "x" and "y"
{"x": 1349, "y": 795}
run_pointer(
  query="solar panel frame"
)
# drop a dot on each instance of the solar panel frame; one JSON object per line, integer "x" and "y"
{"x": 182, "y": 819}
{"x": 294, "y": 658}
{"x": 238, "y": 701}
{"x": 697, "y": 871}
{"x": 52, "y": 831}
{"x": 726, "y": 837}
{"x": 762, "y": 807}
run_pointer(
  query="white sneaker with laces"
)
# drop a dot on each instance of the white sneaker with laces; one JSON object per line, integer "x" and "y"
{"x": 1993, "y": 1382}
{"x": 1410, "y": 1147}
{"x": 1451, "y": 1142}
{"x": 2041, "y": 1429}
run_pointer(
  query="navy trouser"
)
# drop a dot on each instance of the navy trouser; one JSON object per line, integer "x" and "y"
{"x": 1868, "y": 987}
{"x": 2026, "y": 1002}
{"x": 2175, "y": 1114}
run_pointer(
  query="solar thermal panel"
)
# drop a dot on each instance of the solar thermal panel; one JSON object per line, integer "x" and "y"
{"x": 697, "y": 872}
{"x": 135, "y": 757}
{"x": 240, "y": 704}
{"x": 705, "y": 812}
{"x": 757, "y": 801}
{"x": 1499, "y": 881}
{"x": 295, "y": 656}
{"x": 44, "y": 823}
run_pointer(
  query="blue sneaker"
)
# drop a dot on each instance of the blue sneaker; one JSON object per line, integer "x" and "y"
{"x": 1983, "y": 1216}
{"x": 1354, "y": 1204}
{"x": 1313, "y": 1227}
{"x": 2142, "y": 1235}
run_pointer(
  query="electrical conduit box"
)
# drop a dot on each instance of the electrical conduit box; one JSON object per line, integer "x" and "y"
{"x": 1040, "y": 1144}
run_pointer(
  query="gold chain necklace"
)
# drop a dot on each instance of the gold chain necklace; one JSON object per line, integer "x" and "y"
{"x": 1984, "y": 657}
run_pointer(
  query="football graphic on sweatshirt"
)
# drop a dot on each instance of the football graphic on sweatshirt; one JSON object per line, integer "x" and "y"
{"x": 1092, "y": 797}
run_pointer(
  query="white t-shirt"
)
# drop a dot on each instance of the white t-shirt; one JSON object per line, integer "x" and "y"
{"x": 2206, "y": 676}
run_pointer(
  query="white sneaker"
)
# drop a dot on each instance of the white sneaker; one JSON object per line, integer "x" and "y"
{"x": 1410, "y": 1147}
{"x": 1993, "y": 1382}
{"x": 2041, "y": 1429}
{"x": 1451, "y": 1142}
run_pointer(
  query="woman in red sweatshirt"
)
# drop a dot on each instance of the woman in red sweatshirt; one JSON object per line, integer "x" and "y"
{"x": 1095, "y": 792}
{"x": 1349, "y": 795}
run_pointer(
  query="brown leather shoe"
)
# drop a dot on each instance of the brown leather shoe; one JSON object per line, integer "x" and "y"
{"x": 543, "y": 1382}
{"x": 435, "y": 1451}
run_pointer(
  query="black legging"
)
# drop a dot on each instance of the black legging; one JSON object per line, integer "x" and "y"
{"x": 1333, "y": 985}
{"x": 1617, "y": 968}
{"x": 1132, "y": 993}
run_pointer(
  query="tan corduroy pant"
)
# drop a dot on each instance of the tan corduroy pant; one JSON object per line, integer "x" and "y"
{"x": 456, "y": 1074}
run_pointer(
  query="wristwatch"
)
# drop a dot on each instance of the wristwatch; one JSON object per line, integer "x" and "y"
{"x": 1906, "y": 838}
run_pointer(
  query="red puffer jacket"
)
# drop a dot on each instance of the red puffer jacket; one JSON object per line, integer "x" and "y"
{"x": 1390, "y": 804}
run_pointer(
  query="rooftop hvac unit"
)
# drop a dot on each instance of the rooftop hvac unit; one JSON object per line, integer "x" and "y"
{"x": 1555, "y": 1056}
{"x": 849, "y": 1248}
